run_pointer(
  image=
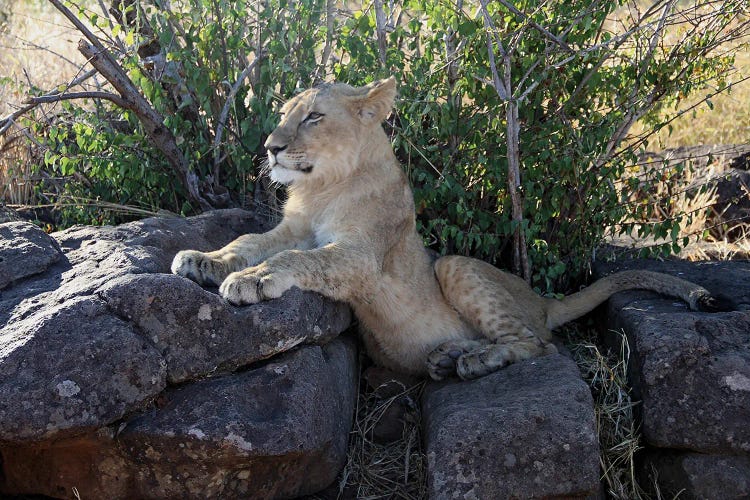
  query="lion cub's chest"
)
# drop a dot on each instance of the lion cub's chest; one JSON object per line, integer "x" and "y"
{"x": 328, "y": 226}
{"x": 324, "y": 235}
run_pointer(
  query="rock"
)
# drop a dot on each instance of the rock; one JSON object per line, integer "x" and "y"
{"x": 262, "y": 433}
{"x": 151, "y": 243}
{"x": 94, "y": 336}
{"x": 198, "y": 333}
{"x": 690, "y": 370}
{"x": 266, "y": 433}
{"x": 694, "y": 475}
{"x": 525, "y": 431}
{"x": 72, "y": 368}
{"x": 25, "y": 250}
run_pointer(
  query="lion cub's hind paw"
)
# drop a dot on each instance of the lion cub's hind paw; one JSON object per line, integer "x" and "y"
{"x": 442, "y": 361}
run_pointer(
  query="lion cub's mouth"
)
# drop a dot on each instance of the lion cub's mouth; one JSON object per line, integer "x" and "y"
{"x": 303, "y": 167}
{"x": 304, "y": 170}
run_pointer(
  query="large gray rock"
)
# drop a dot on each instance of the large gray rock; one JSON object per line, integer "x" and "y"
{"x": 25, "y": 250}
{"x": 265, "y": 433}
{"x": 276, "y": 431}
{"x": 72, "y": 368}
{"x": 690, "y": 370}
{"x": 198, "y": 333}
{"x": 93, "y": 334}
{"x": 526, "y": 431}
{"x": 695, "y": 475}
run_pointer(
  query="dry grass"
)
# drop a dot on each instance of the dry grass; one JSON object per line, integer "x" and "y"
{"x": 391, "y": 470}
{"x": 727, "y": 123}
{"x": 39, "y": 50}
{"x": 619, "y": 437}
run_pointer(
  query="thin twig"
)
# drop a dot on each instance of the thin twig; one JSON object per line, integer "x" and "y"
{"x": 533, "y": 24}
{"x": 327, "y": 48}
{"x": 8, "y": 121}
{"x": 380, "y": 30}
{"x": 228, "y": 104}
{"x": 109, "y": 96}
{"x": 152, "y": 121}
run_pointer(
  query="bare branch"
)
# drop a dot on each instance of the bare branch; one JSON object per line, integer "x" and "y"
{"x": 228, "y": 104}
{"x": 490, "y": 25}
{"x": 78, "y": 95}
{"x": 504, "y": 88}
{"x": 525, "y": 77}
{"x": 8, "y": 121}
{"x": 500, "y": 87}
{"x": 380, "y": 29}
{"x": 152, "y": 122}
{"x": 326, "y": 54}
{"x": 658, "y": 32}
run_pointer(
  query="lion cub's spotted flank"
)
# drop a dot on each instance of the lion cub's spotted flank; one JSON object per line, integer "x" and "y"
{"x": 348, "y": 232}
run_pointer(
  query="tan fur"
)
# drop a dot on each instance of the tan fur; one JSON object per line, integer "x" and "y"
{"x": 349, "y": 233}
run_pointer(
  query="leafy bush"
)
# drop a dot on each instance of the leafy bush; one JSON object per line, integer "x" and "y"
{"x": 577, "y": 82}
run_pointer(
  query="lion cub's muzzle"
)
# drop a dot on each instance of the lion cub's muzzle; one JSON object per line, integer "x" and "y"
{"x": 289, "y": 163}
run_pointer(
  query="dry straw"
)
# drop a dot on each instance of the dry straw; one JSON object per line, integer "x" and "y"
{"x": 619, "y": 436}
{"x": 395, "y": 470}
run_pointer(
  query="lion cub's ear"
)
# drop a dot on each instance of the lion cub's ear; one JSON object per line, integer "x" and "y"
{"x": 377, "y": 101}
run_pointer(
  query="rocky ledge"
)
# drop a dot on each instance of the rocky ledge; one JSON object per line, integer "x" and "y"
{"x": 691, "y": 374}
{"x": 122, "y": 381}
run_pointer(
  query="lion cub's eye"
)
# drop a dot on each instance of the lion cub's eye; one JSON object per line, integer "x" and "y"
{"x": 313, "y": 117}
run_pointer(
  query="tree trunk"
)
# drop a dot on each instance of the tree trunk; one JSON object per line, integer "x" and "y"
{"x": 520, "y": 255}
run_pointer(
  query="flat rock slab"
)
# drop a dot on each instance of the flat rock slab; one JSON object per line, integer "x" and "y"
{"x": 690, "y": 370}
{"x": 94, "y": 332}
{"x": 526, "y": 431}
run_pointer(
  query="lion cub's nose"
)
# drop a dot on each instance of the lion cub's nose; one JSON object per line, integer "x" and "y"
{"x": 274, "y": 150}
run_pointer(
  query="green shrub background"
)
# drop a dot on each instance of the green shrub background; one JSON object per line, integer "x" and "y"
{"x": 448, "y": 128}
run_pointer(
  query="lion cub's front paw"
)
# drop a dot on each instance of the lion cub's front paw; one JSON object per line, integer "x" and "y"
{"x": 199, "y": 267}
{"x": 254, "y": 284}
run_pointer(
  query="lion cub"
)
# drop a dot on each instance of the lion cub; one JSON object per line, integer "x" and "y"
{"x": 348, "y": 232}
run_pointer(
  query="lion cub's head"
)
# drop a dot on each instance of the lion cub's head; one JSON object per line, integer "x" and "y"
{"x": 324, "y": 130}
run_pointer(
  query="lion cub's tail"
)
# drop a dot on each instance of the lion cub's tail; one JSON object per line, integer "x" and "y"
{"x": 574, "y": 306}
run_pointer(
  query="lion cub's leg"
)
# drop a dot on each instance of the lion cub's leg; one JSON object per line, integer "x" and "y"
{"x": 497, "y": 305}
